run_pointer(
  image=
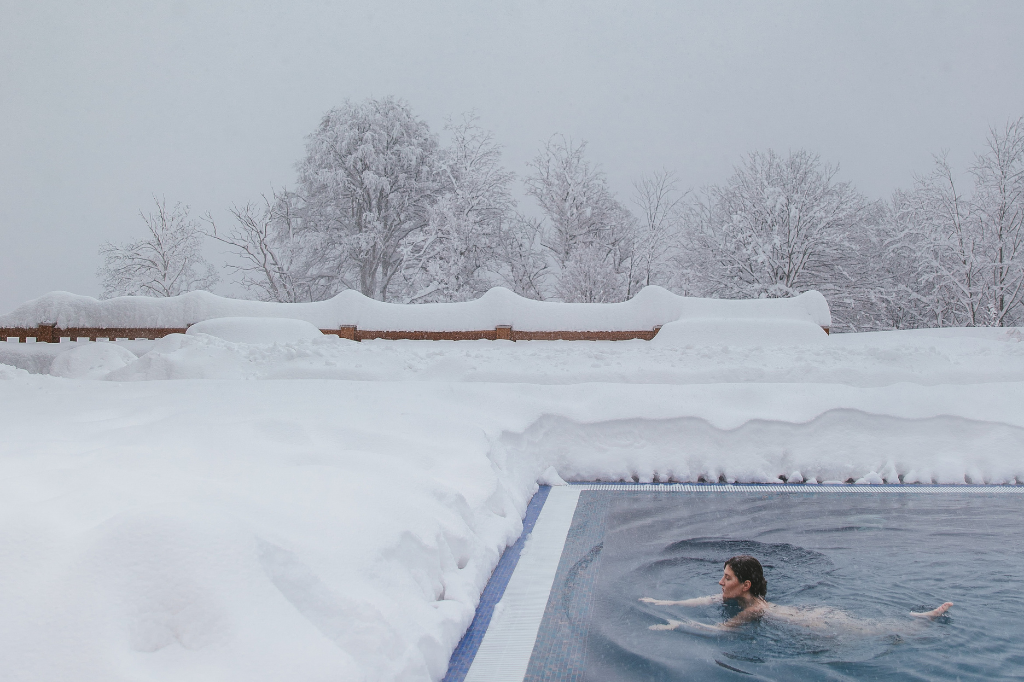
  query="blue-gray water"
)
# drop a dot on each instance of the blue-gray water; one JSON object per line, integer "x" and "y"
{"x": 873, "y": 556}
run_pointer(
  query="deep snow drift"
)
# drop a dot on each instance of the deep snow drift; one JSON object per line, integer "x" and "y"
{"x": 340, "y": 522}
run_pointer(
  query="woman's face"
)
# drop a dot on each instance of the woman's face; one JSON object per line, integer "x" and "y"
{"x": 732, "y": 588}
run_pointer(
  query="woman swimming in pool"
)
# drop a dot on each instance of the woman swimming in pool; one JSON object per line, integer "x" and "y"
{"x": 743, "y": 581}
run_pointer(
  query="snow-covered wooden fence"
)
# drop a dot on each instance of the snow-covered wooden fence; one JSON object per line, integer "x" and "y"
{"x": 48, "y": 333}
{"x": 499, "y": 333}
{"x": 498, "y": 314}
{"x": 51, "y": 333}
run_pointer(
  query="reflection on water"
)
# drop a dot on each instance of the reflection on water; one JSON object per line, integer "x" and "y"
{"x": 854, "y": 566}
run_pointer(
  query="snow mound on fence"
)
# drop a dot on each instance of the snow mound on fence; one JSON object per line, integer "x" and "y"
{"x": 257, "y": 330}
{"x": 651, "y": 307}
{"x": 746, "y": 332}
{"x": 91, "y": 361}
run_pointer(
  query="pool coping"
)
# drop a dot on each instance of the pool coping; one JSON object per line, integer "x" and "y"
{"x": 517, "y": 592}
{"x": 465, "y": 653}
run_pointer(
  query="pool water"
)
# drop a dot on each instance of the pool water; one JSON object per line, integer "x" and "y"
{"x": 857, "y": 562}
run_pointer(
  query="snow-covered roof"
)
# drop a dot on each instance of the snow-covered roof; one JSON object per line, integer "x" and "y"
{"x": 651, "y": 307}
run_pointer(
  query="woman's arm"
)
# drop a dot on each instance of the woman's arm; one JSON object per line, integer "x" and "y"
{"x": 696, "y": 601}
{"x": 745, "y": 616}
{"x": 691, "y": 624}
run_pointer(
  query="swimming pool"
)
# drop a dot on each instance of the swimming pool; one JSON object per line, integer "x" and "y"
{"x": 870, "y": 553}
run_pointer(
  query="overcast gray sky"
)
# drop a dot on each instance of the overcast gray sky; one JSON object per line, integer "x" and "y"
{"x": 104, "y": 104}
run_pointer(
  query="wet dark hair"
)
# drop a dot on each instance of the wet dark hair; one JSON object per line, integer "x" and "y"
{"x": 747, "y": 568}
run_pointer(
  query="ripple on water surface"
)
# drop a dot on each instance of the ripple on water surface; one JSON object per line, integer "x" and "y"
{"x": 850, "y": 567}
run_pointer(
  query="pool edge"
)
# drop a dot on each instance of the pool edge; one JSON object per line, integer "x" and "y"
{"x": 504, "y": 653}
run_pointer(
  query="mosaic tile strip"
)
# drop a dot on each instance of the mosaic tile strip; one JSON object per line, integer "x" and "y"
{"x": 796, "y": 488}
{"x": 505, "y": 651}
{"x": 561, "y": 648}
{"x": 465, "y": 652}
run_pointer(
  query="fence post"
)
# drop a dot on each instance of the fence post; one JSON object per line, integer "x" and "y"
{"x": 347, "y": 331}
{"x": 46, "y": 334}
{"x": 503, "y": 332}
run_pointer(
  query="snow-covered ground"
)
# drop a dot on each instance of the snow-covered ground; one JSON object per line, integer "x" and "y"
{"x": 339, "y": 522}
{"x": 922, "y": 356}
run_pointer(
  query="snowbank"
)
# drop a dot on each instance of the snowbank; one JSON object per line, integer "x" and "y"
{"x": 256, "y": 330}
{"x": 929, "y": 357}
{"x": 38, "y": 358}
{"x": 314, "y": 529}
{"x": 343, "y": 530}
{"x": 91, "y": 361}
{"x": 752, "y": 332}
{"x": 8, "y": 372}
{"x": 651, "y": 307}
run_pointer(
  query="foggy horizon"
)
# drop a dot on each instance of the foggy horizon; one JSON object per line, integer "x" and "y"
{"x": 211, "y": 106}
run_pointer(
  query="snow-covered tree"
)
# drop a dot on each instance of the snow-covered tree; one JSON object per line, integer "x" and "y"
{"x": 277, "y": 259}
{"x": 865, "y": 276}
{"x": 454, "y": 256}
{"x": 936, "y": 252}
{"x": 381, "y": 208}
{"x": 588, "y": 233}
{"x": 999, "y": 211}
{"x": 777, "y": 227}
{"x": 367, "y": 181}
{"x": 964, "y": 253}
{"x": 166, "y": 262}
{"x": 522, "y": 265}
{"x": 659, "y": 201}
{"x": 591, "y": 276}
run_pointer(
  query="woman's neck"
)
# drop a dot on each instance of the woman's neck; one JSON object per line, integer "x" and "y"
{"x": 747, "y": 600}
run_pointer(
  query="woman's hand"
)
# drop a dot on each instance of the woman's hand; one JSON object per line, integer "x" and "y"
{"x": 659, "y": 602}
{"x": 934, "y": 613}
{"x": 697, "y": 601}
{"x": 691, "y": 625}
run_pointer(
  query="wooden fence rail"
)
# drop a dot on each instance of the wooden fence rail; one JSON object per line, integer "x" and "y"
{"x": 48, "y": 333}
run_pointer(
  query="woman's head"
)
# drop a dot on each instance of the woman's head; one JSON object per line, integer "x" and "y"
{"x": 747, "y": 568}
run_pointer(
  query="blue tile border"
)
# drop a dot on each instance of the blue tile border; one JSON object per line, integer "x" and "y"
{"x": 465, "y": 652}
